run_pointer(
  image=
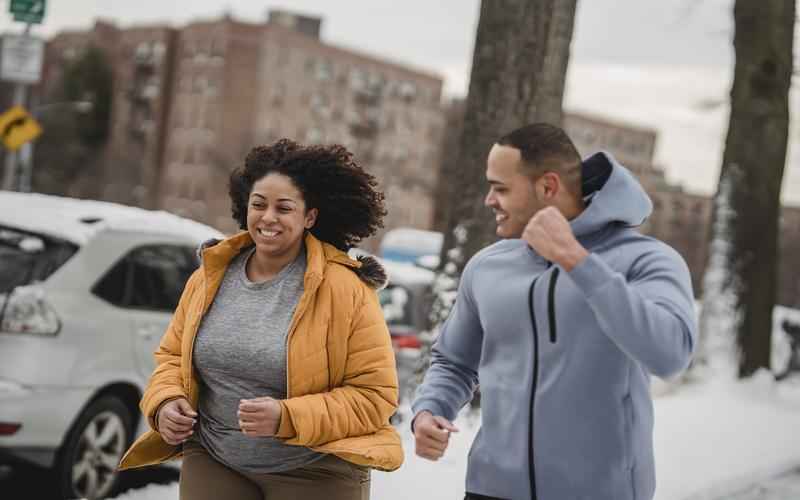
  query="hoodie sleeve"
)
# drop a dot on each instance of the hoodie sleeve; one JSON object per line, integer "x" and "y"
{"x": 453, "y": 375}
{"x": 649, "y": 314}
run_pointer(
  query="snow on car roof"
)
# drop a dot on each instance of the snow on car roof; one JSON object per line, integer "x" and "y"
{"x": 78, "y": 220}
{"x": 404, "y": 273}
{"x": 426, "y": 242}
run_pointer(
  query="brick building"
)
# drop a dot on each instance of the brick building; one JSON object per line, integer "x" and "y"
{"x": 210, "y": 126}
{"x": 387, "y": 114}
{"x": 140, "y": 106}
{"x": 190, "y": 102}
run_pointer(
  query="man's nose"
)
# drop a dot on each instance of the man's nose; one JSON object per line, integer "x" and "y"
{"x": 489, "y": 201}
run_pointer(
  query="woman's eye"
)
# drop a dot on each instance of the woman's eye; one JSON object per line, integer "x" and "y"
{"x": 285, "y": 209}
{"x": 257, "y": 206}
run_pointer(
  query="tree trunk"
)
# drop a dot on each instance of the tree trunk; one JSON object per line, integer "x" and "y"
{"x": 752, "y": 168}
{"x": 518, "y": 71}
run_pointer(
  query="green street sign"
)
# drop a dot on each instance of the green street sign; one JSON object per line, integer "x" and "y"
{"x": 27, "y": 11}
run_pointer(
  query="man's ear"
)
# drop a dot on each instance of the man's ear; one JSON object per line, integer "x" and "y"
{"x": 548, "y": 185}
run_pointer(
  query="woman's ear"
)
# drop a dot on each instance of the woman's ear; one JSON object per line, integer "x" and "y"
{"x": 311, "y": 218}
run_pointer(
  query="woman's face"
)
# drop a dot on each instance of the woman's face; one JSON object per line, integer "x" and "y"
{"x": 277, "y": 215}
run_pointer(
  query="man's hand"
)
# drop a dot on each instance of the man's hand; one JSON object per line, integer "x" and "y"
{"x": 549, "y": 233}
{"x": 259, "y": 416}
{"x": 175, "y": 421}
{"x": 432, "y": 435}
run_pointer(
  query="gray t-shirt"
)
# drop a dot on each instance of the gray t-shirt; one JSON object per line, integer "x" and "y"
{"x": 240, "y": 353}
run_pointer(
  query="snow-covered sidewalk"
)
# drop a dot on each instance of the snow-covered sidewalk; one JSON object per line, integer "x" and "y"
{"x": 710, "y": 440}
{"x": 715, "y": 439}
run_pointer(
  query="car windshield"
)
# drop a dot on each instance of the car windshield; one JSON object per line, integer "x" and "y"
{"x": 27, "y": 257}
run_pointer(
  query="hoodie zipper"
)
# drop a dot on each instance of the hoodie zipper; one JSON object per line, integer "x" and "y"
{"x": 551, "y": 305}
{"x": 533, "y": 388}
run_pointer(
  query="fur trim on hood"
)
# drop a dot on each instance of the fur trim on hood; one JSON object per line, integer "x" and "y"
{"x": 371, "y": 272}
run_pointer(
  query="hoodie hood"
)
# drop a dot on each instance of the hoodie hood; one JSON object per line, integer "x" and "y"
{"x": 614, "y": 196}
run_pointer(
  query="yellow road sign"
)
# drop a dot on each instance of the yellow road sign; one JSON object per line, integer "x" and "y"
{"x": 18, "y": 127}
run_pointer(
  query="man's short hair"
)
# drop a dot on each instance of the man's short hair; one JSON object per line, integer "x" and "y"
{"x": 547, "y": 148}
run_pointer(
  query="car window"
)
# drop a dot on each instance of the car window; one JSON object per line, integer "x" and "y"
{"x": 27, "y": 257}
{"x": 148, "y": 277}
{"x": 396, "y": 304}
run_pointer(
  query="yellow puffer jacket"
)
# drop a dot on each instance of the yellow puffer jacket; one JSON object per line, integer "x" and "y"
{"x": 341, "y": 376}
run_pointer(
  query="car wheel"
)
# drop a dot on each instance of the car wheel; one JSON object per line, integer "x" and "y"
{"x": 87, "y": 462}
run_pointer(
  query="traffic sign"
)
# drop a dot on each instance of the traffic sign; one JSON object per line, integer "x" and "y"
{"x": 18, "y": 127}
{"x": 27, "y": 11}
{"x": 21, "y": 58}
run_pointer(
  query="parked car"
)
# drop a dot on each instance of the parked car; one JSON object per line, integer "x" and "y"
{"x": 86, "y": 291}
{"x": 405, "y": 244}
{"x": 406, "y": 302}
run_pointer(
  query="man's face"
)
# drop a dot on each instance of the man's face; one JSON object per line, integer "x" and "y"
{"x": 511, "y": 196}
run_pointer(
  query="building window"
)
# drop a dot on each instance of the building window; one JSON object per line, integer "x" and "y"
{"x": 407, "y": 91}
{"x": 159, "y": 49}
{"x": 324, "y": 71}
{"x": 358, "y": 79}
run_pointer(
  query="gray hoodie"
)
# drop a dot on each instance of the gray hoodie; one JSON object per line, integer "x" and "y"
{"x": 564, "y": 358}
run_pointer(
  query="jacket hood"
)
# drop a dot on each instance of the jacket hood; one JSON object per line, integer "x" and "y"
{"x": 216, "y": 253}
{"x": 614, "y": 196}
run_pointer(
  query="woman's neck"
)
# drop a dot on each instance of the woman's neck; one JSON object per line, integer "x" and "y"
{"x": 262, "y": 267}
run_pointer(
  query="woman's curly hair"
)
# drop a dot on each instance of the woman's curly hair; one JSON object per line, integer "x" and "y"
{"x": 350, "y": 206}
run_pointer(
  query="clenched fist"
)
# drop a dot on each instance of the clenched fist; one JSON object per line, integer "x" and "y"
{"x": 259, "y": 416}
{"x": 550, "y": 235}
{"x": 176, "y": 420}
{"x": 432, "y": 435}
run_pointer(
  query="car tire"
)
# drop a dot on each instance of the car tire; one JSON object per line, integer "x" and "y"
{"x": 86, "y": 466}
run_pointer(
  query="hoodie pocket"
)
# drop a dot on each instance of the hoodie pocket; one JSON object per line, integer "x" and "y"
{"x": 627, "y": 410}
{"x": 551, "y": 306}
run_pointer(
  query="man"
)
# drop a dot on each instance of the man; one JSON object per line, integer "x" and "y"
{"x": 562, "y": 322}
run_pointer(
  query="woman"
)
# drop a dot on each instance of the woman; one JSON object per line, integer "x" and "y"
{"x": 276, "y": 377}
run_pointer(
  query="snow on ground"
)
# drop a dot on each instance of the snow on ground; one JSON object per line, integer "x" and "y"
{"x": 712, "y": 440}
{"x": 722, "y": 436}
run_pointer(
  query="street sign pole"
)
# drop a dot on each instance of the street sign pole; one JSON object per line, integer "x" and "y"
{"x": 29, "y": 12}
{"x": 12, "y": 178}
{"x": 10, "y": 172}
{"x": 25, "y": 154}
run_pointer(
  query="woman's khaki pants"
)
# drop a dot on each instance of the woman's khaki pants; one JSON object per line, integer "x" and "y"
{"x": 330, "y": 478}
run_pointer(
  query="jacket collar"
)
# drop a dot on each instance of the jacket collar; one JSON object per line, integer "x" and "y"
{"x": 217, "y": 256}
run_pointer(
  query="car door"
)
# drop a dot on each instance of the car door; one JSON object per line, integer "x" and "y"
{"x": 147, "y": 283}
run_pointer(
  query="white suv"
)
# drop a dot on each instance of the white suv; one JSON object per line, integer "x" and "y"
{"x": 86, "y": 290}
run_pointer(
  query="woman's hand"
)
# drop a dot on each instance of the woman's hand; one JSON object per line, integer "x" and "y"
{"x": 259, "y": 416}
{"x": 176, "y": 419}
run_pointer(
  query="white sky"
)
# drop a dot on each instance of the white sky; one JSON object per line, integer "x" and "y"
{"x": 658, "y": 64}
